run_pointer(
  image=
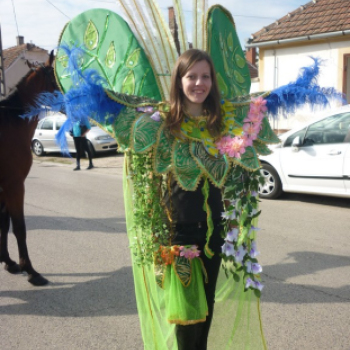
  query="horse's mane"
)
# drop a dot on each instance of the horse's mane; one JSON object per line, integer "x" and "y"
{"x": 12, "y": 98}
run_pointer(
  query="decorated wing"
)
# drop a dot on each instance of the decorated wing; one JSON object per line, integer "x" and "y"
{"x": 225, "y": 49}
{"x": 110, "y": 48}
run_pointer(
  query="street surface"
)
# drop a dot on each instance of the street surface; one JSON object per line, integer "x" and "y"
{"x": 77, "y": 239}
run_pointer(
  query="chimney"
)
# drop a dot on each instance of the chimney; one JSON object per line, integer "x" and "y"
{"x": 20, "y": 40}
{"x": 250, "y": 55}
{"x": 173, "y": 27}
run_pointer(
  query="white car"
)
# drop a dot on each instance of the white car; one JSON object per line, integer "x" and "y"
{"x": 44, "y": 140}
{"x": 311, "y": 159}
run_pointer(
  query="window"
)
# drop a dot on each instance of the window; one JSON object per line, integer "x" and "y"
{"x": 330, "y": 130}
{"x": 59, "y": 124}
{"x": 290, "y": 139}
{"x": 47, "y": 124}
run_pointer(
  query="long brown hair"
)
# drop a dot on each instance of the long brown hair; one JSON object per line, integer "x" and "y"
{"x": 211, "y": 104}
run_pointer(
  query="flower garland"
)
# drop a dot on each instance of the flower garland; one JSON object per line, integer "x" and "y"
{"x": 168, "y": 253}
{"x": 235, "y": 146}
{"x": 239, "y": 251}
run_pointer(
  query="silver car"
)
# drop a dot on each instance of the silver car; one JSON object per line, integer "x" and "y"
{"x": 44, "y": 140}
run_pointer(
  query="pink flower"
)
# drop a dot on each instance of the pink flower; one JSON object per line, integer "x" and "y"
{"x": 247, "y": 141}
{"x": 261, "y": 103}
{"x": 223, "y": 144}
{"x": 189, "y": 253}
{"x": 251, "y": 130}
{"x": 254, "y": 117}
{"x": 236, "y": 147}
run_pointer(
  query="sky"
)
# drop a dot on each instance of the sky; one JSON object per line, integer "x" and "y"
{"x": 41, "y": 21}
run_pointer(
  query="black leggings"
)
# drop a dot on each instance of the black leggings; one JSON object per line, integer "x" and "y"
{"x": 194, "y": 337}
{"x": 81, "y": 145}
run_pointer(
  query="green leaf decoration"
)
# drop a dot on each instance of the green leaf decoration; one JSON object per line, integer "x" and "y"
{"x": 186, "y": 170}
{"x": 238, "y": 77}
{"x": 133, "y": 59}
{"x": 215, "y": 168}
{"x": 109, "y": 46}
{"x": 266, "y": 134}
{"x": 224, "y": 91}
{"x": 129, "y": 84}
{"x": 249, "y": 160}
{"x": 91, "y": 36}
{"x": 145, "y": 133}
{"x": 123, "y": 126}
{"x": 63, "y": 60}
{"x": 240, "y": 61}
{"x": 163, "y": 149}
{"x": 230, "y": 42}
{"x": 261, "y": 148}
{"x": 227, "y": 54}
{"x": 183, "y": 269}
{"x": 111, "y": 56}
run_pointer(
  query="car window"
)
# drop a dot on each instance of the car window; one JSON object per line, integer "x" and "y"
{"x": 330, "y": 130}
{"x": 59, "y": 124}
{"x": 47, "y": 124}
{"x": 300, "y": 133}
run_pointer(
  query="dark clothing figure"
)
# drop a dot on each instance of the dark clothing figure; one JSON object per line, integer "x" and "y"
{"x": 190, "y": 229}
{"x": 81, "y": 145}
{"x": 80, "y": 142}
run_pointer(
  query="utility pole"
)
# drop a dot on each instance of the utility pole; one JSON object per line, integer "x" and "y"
{"x": 2, "y": 72}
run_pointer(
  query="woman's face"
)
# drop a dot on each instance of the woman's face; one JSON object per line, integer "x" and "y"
{"x": 196, "y": 85}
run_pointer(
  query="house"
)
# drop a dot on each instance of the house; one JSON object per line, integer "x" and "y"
{"x": 320, "y": 28}
{"x": 14, "y": 62}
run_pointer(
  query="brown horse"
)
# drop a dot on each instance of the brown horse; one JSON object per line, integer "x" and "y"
{"x": 15, "y": 162}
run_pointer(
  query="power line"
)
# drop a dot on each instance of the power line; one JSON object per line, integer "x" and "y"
{"x": 57, "y": 9}
{"x": 14, "y": 13}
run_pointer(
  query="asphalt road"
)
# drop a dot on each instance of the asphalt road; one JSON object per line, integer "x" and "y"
{"x": 77, "y": 239}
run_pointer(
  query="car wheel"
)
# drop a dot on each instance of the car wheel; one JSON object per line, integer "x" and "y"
{"x": 38, "y": 148}
{"x": 272, "y": 188}
{"x": 91, "y": 148}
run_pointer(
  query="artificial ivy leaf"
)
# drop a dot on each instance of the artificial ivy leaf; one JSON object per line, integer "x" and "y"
{"x": 91, "y": 36}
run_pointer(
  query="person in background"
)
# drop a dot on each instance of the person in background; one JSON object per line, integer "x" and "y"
{"x": 80, "y": 142}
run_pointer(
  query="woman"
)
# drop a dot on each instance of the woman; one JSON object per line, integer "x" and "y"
{"x": 195, "y": 95}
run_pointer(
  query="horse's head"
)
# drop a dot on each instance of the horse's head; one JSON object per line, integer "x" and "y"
{"x": 42, "y": 77}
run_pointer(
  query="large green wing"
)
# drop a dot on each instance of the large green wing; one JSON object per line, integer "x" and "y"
{"x": 225, "y": 49}
{"x": 110, "y": 47}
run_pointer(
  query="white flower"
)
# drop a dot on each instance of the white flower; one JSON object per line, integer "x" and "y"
{"x": 239, "y": 254}
{"x": 254, "y": 268}
{"x": 228, "y": 249}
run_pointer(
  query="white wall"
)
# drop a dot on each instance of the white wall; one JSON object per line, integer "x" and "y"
{"x": 282, "y": 65}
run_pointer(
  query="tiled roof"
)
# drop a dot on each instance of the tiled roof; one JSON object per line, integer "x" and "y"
{"x": 315, "y": 17}
{"x": 11, "y": 54}
{"x": 254, "y": 73}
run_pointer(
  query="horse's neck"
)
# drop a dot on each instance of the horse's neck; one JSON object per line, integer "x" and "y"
{"x": 27, "y": 90}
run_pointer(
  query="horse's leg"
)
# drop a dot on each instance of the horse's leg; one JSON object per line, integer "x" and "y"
{"x": 10, "y": 265}
{"x": 15, "y": 208}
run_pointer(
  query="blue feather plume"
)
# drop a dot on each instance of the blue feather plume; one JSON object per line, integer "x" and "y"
{"x": 304, "y": 90}
{"x": 86, "y": 99}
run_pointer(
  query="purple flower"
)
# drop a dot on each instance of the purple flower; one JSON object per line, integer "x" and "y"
{"x": 232, "y": 235}
{"x": 228, "y": 249}
{"x": 253, "y": 284}
{"x": 253, "y": 250}
{"x": 239, "y": 254}
{"x": 254, "y": 193}
{"x": 252, "y": 229}
{"x": 249, "y": 283}
{"x": 254, "y": 268}
{"x": 145, "y": 109}
{"x": 229, "y": 215}
{"x": 156, "y": 116}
